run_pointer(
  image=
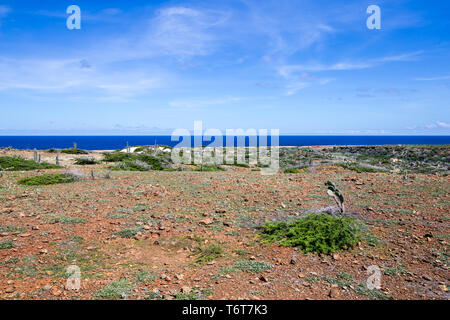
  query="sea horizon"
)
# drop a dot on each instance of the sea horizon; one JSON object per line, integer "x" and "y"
{"x": 114, "y": 142}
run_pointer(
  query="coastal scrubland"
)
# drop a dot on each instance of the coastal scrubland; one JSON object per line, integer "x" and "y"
{"x": 140, "y": 227}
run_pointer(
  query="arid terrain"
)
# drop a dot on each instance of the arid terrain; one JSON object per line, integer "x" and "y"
{"x": 194, "y": 234}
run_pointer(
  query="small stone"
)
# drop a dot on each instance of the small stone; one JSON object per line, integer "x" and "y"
{"x": 206, "y": 221}
{"x": 186, "y": 289}
{"x": 179, "y": 277}
{"x": 301, "y": 275}
{"x": 43, "y": 251}
{"x": 10, "y": 290}
{"x": 56, "y": 292}
{"x": 292, "y": 261}
{"x": 336, "y": 256}
{"x": 334, "y": 292}
{"x": 46, "y": 287}
{"x": 252, "y": 258}
{"x": 263, "y": 278}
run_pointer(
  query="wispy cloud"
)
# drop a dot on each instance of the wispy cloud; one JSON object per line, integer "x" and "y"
{"x": 288, "y": 70}
{"x": 62, "y": 75}
{"x": 433, "y": 78}
{"x": 201, "y": 103}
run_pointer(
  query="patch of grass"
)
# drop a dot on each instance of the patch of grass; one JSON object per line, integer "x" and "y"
{"x": 374, "y": 294}
{"x": 74, "y": 151}
{"x": 8, "y": 244}
{"x": 193, "y": 295}
{"x": 85, "y": 161}
{"x": 117, "y": 215}
{"x": 209, "y": 168}
{"x": 154, "y": 296}
{"x": 208, "y": 253}
{"x": 144, "y": 276}
{"x": 116, "y": 156}
{"x": 10, "y": 261}
{"x": 394, "y": 271}
{"x": 129, "y": 233}
{"x": 320, "y": 233}
{"x": 20, "y": 164}
{"x": 291, "y": 170}
{"x": 250, "y": 266}
{"x": 46, "y": 179}
{"x": 115, "y": 290}
{"x": 12, "y": 229}
{"x": 66, "y": 219}
{"x": 358, "y": 168}
{"x": 371, "y": 240}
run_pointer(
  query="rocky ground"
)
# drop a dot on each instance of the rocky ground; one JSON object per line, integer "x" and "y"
{"x": 193, "y": 235}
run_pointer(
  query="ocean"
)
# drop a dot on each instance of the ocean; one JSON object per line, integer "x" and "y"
{"x": 119, "y": 142}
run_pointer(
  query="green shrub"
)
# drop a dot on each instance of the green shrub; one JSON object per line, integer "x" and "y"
{"x": 252, "y": 266}
{"x": 358, "y": 168}
{"x": 116, "y": 156}
{"x": 320, "y": 233}
{"x": 8, "y": 244}
{"x": 291, "y": 170}
{"x": 74, "y": 151}
{"x": 129, "y": 233}
{"x": 134, "y": 162}
{"x": 115, "y": 290}
{"x": 208, "y": 253}
{"x": 209, "y": 168}
{"x": 66, "y": 219}
{"x": 20, "y": 164}
{"x": 85, "y": 161}
{"x": 46, "y": 179}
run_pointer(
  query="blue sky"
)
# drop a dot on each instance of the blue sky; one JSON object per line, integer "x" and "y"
{"x": 304, "y": 67}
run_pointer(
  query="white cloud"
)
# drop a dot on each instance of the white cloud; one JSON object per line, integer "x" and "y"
{"x": 71, "y": 75}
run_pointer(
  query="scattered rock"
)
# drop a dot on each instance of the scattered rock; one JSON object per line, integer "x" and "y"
{"x": 334, "y": 292}
{"x": 10, "y": 289}
{"x": 263, "y": 278}
{"x": 186, "y": 289}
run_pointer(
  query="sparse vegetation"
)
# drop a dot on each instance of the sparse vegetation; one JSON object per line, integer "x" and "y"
{"x": 119, "y": 289}
{"x": 74, "y": 151}
{"x": 129, "y": 233}
{"x": 20, "y": 164}
{"x": 315, "y": 233}
{"x": 85, "y": 161}
{"x": 208, "y": 253}
{"x": 46, "y": 179}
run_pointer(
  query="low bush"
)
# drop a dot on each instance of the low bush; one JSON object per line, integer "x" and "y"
{"x": 358, "y": 168}
{"x": 74, "y": 151}
{"x": 208, "y": 253}
{"x": 20, "y": 164}
{"x": 46, "y": 179}
{"x": 209, "y": 168}
{"x": 129, "y": 233}
{"x": 320, "y": 233}
{"x": 119, "y": 289}
{"x": 85, "y": 161}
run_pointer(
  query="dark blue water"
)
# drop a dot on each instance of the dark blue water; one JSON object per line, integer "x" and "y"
{"x": 119, "y": 142}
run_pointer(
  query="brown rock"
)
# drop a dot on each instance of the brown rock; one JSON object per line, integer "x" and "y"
{"x": 334, "y": 292}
